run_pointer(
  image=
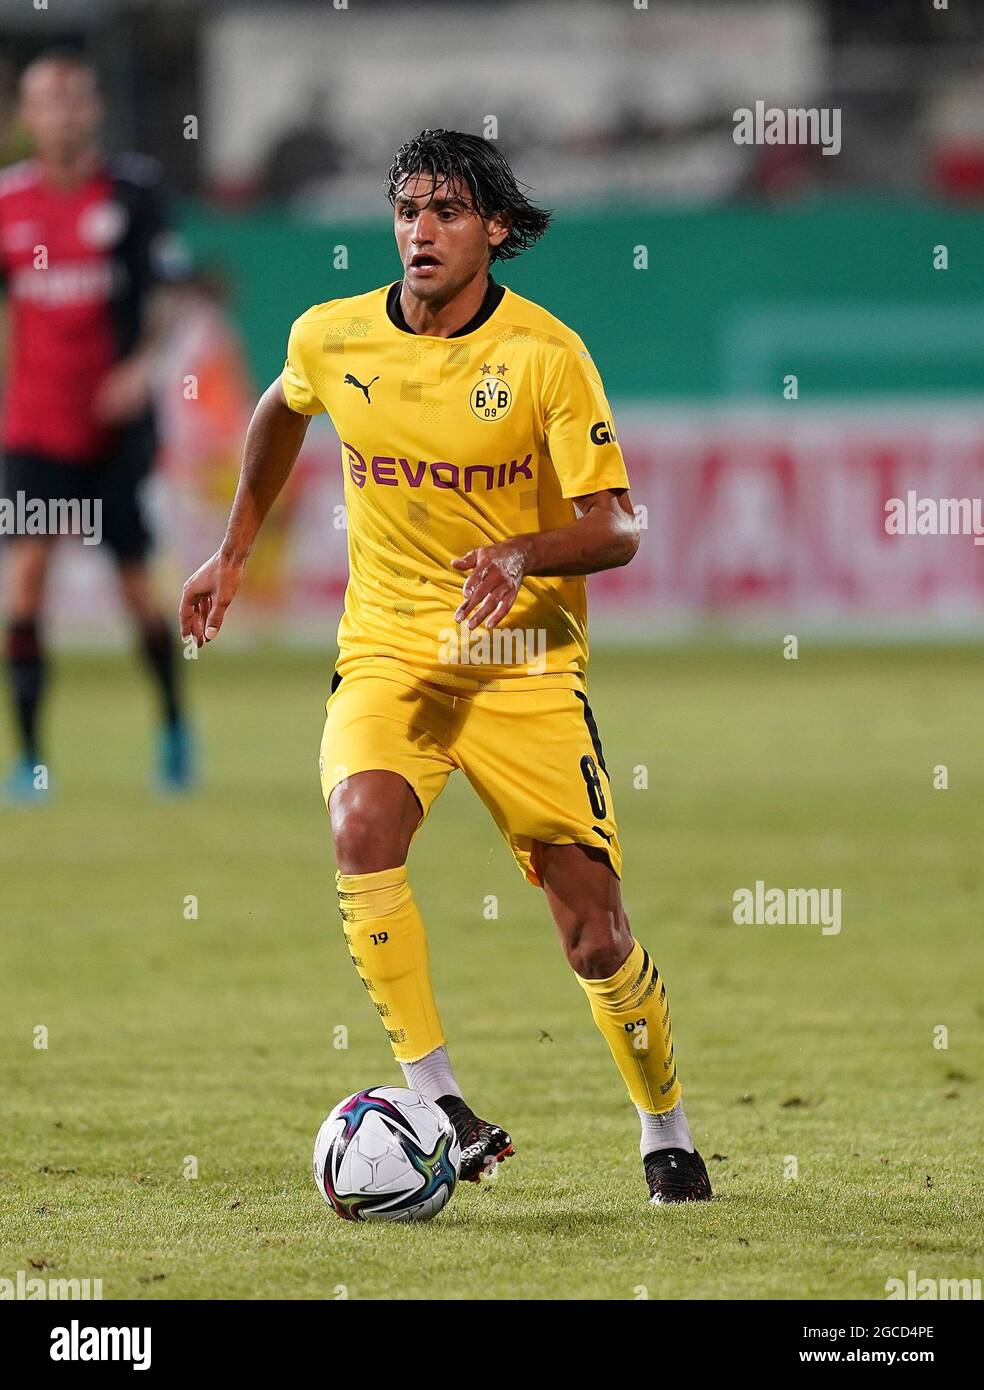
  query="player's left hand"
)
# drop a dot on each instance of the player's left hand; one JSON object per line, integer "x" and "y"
{"x": 124, "y": 391}
{"x": 491, "y": 589}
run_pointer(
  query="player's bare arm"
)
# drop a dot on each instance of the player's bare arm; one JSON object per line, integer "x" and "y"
{"x": 125, "y": 390}
{"x": 273, "y": 442}
{"x": 604, "y": 536}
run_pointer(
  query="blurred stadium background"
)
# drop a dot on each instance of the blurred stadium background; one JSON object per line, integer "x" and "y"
{"x": 700, "y": 272}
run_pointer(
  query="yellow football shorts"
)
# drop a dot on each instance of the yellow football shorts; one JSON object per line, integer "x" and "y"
{"x": 532, "y": 754}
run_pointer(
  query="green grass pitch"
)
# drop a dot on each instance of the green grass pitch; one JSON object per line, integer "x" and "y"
{"x": 215, "y": 1038}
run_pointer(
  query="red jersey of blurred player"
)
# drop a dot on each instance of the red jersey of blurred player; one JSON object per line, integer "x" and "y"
{"x": 83, "y": 241}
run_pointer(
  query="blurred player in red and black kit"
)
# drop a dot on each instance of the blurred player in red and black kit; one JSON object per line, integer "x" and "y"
{"x": 85, "y": 258}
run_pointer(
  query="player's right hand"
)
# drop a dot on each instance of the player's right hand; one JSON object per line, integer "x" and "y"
{"x": 206, "y": 596}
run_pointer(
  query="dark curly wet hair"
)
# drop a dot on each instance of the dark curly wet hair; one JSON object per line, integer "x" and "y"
{"x": 453, "y": 156}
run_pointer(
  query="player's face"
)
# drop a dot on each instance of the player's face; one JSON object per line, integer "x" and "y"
{"x": 443, "y": 242}
{"x": 60, "y": 109}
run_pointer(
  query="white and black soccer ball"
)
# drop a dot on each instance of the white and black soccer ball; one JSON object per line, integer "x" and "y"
{"x": 386, "y": 1154}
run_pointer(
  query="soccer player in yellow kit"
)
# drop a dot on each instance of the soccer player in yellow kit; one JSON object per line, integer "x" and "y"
{"x": 483, "y": 481}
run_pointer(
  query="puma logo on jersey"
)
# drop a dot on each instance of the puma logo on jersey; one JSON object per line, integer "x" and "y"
{"x": 351, "y": 380}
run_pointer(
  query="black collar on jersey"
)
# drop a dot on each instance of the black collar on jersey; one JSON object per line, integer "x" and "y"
{"x": 488, "y": 306}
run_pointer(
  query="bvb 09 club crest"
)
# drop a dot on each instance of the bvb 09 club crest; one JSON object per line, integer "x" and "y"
{"x": 491, "y": 398}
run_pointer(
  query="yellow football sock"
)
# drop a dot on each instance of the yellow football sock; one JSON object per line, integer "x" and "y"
{"x": 631, "y": 1010}
{"x": 387, "y": 943}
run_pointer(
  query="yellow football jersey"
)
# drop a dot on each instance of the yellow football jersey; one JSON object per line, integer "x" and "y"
{"x": 448, "y": 444}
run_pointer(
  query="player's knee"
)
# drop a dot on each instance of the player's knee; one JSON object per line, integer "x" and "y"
{"x": 138, "y": 595}
{"x": 597, "y": 943}
{"x": 26, "y": 569}
{"x": 367, "y": 838}
{"x": 354, "y": 833}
